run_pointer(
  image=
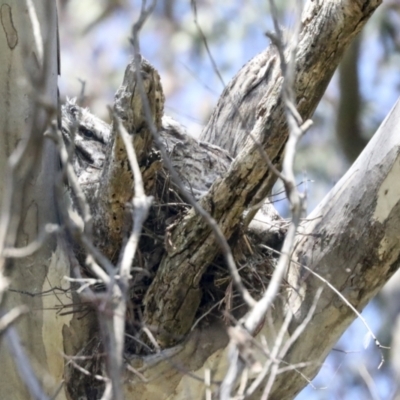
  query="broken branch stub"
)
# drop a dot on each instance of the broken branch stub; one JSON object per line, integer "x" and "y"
{"x": 117, "y": 181}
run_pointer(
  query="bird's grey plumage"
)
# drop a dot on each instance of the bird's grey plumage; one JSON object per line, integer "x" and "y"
{"x": 198, "y": 163}
{"x": 86, "y": 138}
{"x": 235, "y": 114}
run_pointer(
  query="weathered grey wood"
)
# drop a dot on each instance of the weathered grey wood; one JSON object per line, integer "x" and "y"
{"x": 352, "y": 240}
{"x": 110, "y": 214}
{"x": 363, "y": 208}
{"x": 198, "y": 163}
{"x": 328, "y": 28}
{"x": 234, "y": 117}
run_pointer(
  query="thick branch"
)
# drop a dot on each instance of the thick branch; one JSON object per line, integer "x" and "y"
{"x": 368, "y": 217}
{"x": 328, "y": 28}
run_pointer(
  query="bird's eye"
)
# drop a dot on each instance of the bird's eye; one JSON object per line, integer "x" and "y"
{"x": 86, "y": 132}
{"x": 74, "y": 110}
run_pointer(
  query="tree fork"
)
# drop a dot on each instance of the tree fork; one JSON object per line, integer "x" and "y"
{"x": 328, "y": 28}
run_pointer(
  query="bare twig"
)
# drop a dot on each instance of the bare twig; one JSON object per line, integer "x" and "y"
{"x": 38, "y": 38}
{"x": 116, "y": 332}
{"x": 203, "y": 37}
{"x": 207, "y": 383}
{"x": 33, "y": 247}
{"x": 136, "y": 372}
{"x": 85, "y": 282}
{"x": 345, "y": 301}
{"x": 273, "y": 355}
{"x": 22, "y": 164}
{"x": 296, "y": 130}
{"x": 355, "y": 311}
{"x": 152, "y": 339}
{"x": 138, "y": 25}
{"x": 72, "y": 361}
{"x": 58, "y": 390}
{"x": 288, "y": 344}
{"x": 217, "y": 304}
{"x": 23, "y": 365}
{"x": 8, "y": 319}
{"x": 369, "y": 382}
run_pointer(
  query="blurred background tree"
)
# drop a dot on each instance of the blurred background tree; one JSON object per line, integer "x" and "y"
{"x": 94, "y": 53}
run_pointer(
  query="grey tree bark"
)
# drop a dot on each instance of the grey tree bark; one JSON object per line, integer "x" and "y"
{"x": 365, "y": 200}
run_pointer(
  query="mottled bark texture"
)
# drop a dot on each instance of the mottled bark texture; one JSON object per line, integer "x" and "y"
{"x": 352, "y": 240}
{"x": 328, "y": 28}
{"x": 110, "y": 213}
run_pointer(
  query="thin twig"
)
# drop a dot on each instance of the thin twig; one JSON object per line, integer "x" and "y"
{"x": 37, "y": 35}
{"x": 203, "y": 37}
{"x": 34, "y": 246}
{"x": 288, "y": 344}
{"x": 141, "y": 204}
{"x": 345, "y": 301}
{"x": 9, "y": 318}
{"x": 296, "y": 130}
{"x": 369, "y": 382}
{"x": 273, "y": 354}
{"x": 23, "y": 364}
{"x": 136, "y": 372}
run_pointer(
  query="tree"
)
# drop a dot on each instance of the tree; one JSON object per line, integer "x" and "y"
{"x": 254, "y": 109}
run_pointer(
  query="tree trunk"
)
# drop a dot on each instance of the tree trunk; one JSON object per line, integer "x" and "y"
{"x": 28, "y": 100}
